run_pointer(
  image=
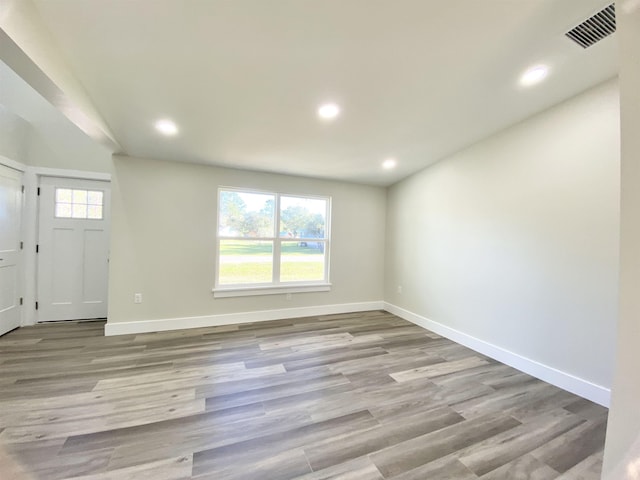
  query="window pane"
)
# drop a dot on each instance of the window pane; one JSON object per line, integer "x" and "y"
{"x": 63, "y": 195}
{"x": 302, "y": 217}
{"x": 79, "y": 196}
{"x": 63, "y": 210}
{"x": 302, "y": 261}
{"x": 71, "y": 203}
{"x": 94, "y": 198}
{"x": 246, "y": 214}
{"x": 79, "y": 211}
{"x": 94, "y": 212}
{"x": 245, "y": 261}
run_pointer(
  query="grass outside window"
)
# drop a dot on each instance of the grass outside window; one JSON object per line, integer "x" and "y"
{"x": 243, "y": 262}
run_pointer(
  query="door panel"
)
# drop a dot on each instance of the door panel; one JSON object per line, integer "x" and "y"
{"x": 73, "y": 249}
{"x": 60, "y": 279}
{"x": 95, "y": 283}
{"x": 8, "y": 286}
{"x": 10, "y": 255}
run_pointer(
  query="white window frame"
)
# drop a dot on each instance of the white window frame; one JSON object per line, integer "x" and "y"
{"x": 275, "y": 286}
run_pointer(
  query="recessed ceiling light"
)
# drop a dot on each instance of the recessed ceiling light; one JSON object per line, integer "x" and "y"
{"x": 389, "y": 163}
{"x": 534, "y": 75}
{"x": 166, "y": 127}
{"x": 328, "y": 111}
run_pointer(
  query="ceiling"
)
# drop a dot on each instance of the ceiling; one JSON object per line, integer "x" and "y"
{"x": 416, "y": 79}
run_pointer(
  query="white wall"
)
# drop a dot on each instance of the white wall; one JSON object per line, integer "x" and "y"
{"x": 514, "y": 241}
{"x": 622, "y": 449}
{"x": 65, "y": 147}
{"x": 163, "y": 232}
{"x": 50, "y": 139}
{"x": 13, "y": 135}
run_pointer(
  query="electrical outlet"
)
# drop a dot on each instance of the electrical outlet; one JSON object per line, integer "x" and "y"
{"x": 400, "y": 289}
{"x": 288, "y": 296}
{"x": 137, "y": 298}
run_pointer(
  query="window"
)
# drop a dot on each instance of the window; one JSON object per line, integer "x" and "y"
{"x": 271, "y": 242}
{"x": 72, "y": 203}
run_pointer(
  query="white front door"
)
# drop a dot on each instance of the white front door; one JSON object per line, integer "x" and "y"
{"x": 73, "y": 249}
{"x": 10, "y": 217}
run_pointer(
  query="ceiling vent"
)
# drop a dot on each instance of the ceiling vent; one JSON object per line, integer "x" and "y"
{"x": 594, "y": 28}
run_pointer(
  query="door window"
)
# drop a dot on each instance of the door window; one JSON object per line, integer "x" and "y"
{"x": 75, "y": 203}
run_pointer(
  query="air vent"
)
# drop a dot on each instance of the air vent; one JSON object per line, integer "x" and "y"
{"x": 594, "y": 28}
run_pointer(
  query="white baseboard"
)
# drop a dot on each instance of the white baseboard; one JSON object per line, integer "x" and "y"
{"x": 143, "y": 326}
{"x": 566, "y": 381}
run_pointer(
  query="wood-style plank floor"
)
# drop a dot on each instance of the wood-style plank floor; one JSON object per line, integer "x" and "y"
{"x": 362, "y": 396}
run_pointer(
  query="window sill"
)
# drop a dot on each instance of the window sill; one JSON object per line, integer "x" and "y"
{"x": 269, "y": 290}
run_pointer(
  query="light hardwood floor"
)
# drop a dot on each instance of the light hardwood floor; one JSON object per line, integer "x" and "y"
{"x": 363, "y": 396}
